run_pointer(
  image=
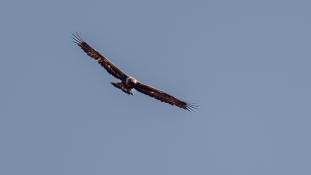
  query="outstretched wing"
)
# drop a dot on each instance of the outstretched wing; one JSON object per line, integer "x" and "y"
{"x": 112, "y": 69}
{"x": 162, "y": 96}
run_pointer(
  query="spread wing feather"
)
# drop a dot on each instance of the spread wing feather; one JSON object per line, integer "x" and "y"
{"x": 162, "y": 96}
{"x": 103, "y": 61}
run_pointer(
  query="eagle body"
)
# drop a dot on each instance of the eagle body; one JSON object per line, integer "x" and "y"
{"x": 127, "y": 83}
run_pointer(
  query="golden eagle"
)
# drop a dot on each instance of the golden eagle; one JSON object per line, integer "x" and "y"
{"x": 127, "y": 82}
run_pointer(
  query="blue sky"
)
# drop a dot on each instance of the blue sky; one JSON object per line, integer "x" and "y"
{"x": 245, "y": 63}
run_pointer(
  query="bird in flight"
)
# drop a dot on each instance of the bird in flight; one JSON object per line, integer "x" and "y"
{"x": 128, "y": 82}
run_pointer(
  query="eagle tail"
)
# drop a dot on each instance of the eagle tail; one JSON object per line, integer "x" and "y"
{"x": 121, "y": 86}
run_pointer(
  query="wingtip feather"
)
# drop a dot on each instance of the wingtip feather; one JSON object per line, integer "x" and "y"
{"x": 191, "y": 107}
{"x": 77, "y": 39}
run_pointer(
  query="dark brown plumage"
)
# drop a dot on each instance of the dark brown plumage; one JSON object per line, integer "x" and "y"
{"x": 103, "y": 61}
{"x": 162, "y": 96}
{"x": 127, "y": 82}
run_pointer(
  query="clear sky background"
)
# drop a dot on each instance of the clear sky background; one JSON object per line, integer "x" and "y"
{"x": 245, "y": 63}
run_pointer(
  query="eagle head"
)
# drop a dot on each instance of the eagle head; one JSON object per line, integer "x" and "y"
{"x": 131, "y": 80}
